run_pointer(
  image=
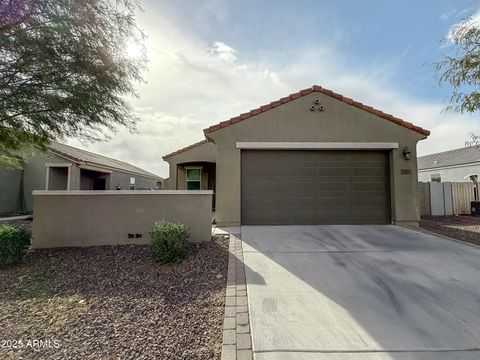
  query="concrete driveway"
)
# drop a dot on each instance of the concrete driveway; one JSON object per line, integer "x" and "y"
{"x": 361, "y": 293}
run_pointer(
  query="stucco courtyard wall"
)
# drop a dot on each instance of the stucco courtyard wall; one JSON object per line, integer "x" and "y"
{"x": 295, "y": 122}
{"x": 88, "y": 218}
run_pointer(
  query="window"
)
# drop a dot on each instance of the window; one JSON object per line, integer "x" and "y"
{"x": 194, "y": 178}
{"x": 132, "y": 183}
{"x": 436, "y": 178}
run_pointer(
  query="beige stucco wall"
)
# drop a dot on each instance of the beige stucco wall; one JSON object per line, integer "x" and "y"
{"x": 87, "y": 218}
{"x": 205, "y": 152}
{"x": 10, "y": 191}
{"x": 34, "y": 178}
{"x": 35, "y": 174}
{"x": 294, "y": 122}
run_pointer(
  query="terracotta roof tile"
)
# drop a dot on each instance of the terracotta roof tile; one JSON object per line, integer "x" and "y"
{"x": 319, "y": 89}
{"x": 236, "y": 119}
{"x": 326, "y": 91}
{"x": 337, "y": 96}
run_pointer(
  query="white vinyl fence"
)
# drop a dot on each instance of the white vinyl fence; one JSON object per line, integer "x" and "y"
{"x": 447, "y": 198}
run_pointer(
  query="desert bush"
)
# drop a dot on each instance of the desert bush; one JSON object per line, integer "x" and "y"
{"x": 169, "y": 242}
{"x": 14, "y": 243}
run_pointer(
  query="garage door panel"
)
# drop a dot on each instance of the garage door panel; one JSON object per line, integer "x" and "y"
{"x": 315, "y": 187}
{"x": 366, "y": 156}
{"x": 292, "y": 185}
{"x": 284, "y": 185}
{"x": 368, "y": 171}
{"x": 370, "y": 215}
{"x": 376, "y": 186}
{"x": 327, "y": 171}
{"x": 373, "y": 199}
{"x": 283, "y": 170}
{"x": 286, "y": 202}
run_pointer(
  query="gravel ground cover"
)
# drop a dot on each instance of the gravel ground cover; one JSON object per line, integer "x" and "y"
{"x": 114, "y": 303}
{"x": 463, "y": 227}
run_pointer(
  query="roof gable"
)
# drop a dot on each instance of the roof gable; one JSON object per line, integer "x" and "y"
{"x": 324, "y": 91}
{"x": 186, "y": 148}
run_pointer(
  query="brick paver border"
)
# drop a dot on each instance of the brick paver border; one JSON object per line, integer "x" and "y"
{"x": 237, "y": 341}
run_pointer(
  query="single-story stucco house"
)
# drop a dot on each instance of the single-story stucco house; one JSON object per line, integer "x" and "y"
{"x": 313, "y": 157}
{"x": 456, "y": 165}
{"x": 65, "y": 167}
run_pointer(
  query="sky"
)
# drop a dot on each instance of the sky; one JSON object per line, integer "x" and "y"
{"x": 210, "y": 60}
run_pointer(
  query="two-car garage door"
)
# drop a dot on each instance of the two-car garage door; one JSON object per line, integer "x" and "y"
{"x": 315, "y": 187}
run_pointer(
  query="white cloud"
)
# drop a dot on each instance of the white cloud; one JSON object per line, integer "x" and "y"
{"x": 193, "y": 84}
{"x": 223, "y": 51}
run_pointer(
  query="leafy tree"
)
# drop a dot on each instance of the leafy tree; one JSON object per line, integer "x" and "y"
{"x": 65, "y": 71}
{"x": 461, "y": 69}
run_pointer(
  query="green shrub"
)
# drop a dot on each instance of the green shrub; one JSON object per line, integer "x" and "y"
{"x": 169, "y": 242}
{"x": 14, "y": 243}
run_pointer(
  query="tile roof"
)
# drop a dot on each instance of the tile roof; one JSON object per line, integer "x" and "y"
{"x": 90, "y": 158}
{"x": 454, "y": 157}
{"x": 327, "y": 92}
{"x": 185, "y": 149}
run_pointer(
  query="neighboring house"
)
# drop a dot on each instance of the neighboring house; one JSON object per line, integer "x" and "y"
{"x": 453, "y": 165}
{"x": 313, "y": 157}
{"x": 65, "y": 167}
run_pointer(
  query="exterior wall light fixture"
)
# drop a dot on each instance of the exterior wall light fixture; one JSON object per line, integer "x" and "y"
{"x": 407, "y": 154}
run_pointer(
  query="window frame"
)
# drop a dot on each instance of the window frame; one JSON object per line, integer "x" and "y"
{"x": 193, "y": 181}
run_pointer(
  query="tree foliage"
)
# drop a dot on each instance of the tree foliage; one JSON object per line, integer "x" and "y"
{"x": 461, "y": 69}
{"x": 65, "y": 71}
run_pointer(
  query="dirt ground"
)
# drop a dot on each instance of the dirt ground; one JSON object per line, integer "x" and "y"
{"x": 114, "y": 302}
{"x": 462, "y": 227}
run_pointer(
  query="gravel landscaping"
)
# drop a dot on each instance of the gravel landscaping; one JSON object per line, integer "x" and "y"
{"x": 114, "y": 303}
{"x": 462, "y": 227}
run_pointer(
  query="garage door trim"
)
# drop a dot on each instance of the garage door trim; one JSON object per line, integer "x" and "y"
{"x": 317, "y": 145}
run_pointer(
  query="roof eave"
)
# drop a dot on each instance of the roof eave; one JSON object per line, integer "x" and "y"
{"x": 81, "y": 162}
